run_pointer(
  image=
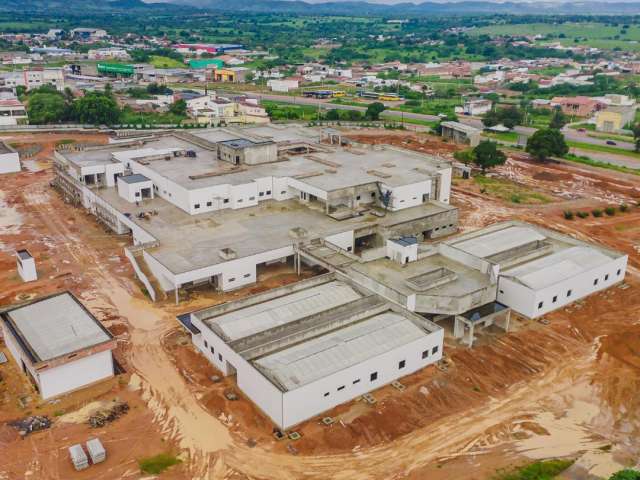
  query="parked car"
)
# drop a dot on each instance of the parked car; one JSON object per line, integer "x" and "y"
{"x": 611, "y": 142}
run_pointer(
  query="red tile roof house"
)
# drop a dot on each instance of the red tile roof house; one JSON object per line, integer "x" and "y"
{"x": 578, "y": 106}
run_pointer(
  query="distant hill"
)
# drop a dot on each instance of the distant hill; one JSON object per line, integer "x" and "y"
{"x": 345, "y": 7}
{"x": 78, "y": 7}
{"x": 362, "y": 8}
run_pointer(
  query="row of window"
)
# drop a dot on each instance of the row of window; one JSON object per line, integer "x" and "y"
{"x": 569, "y": 292}
{"x": 374, "y": 375}
{"x": 212, "y": 350}
{"x": 240, "y": 200}
{"x": 233, "y": 279}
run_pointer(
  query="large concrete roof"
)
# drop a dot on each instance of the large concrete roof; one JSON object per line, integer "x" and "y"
{"x": 55, "y": 326}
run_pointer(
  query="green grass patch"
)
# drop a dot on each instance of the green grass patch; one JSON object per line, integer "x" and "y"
{"x": 597, "y": 163}
{"x": 165, "y": 62}
{"x": 129, "y": 117}
{"x": 510, "y": 191}
{"x": 544, "y": 470}
{"x": 603, "y": 149}
{"x": 158, "y": 464}
{"x": 511, "y": 137}
{"x": 612, "y": 136}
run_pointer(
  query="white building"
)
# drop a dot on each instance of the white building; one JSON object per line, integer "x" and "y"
{"x": 58, "y": 344}
{"x": 33, "y": 78}
{"x": 284, "y": 85}
{"x": 12, "y": 112}
{"x": 135, "y": 188}
{"x": 9, "y": 159}
{"x": 26, "y": 266}
{"x": 302, "y": 349}
{"x": 476, "y": 107}
{"x": 220, "y": 187}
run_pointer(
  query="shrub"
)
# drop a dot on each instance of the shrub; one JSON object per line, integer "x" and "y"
{"x": 583, "y": 214}
{"x": 624, "y": 207}
{"x": 596, "y": 212}
{"x": 611, "y": 211}
{"x": 568, "y": 214}
{"x": 158, "y": 464}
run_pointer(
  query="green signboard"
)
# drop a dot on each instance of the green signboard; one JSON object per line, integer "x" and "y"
{"x": 115, "y": 69}
{"x": 205, "y": 62}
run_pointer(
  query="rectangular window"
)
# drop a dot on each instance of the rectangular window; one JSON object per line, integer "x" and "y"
{"x": 341, "y": 388}
{"x": 401, "y": 364}
{"x": 206, "y": 345}
{"x": 618, "y": 272}
{"x": 232, "y": 279}
{"x": 246, "y": 275}
{"x": 540, "y": 304}
{"x": 357, "y": 380}
{"x": 555, "y": 299}
{"x": 252, "y": 198}
{"x": 326, "y": 394}
{"x": 568, "y": 293}
{"x": 261, "y": 194}
{"x": 358, "y": 197}
{"x": 434, "y": 350}
{"x": 268, "y": 192}
{"x": 240, "y": 200}
{"x": 502, "y": 291}
{"x": 374, "y": 376}
{"x": 283, "y": 192}
{"x": 209, "y": 204}
{"x": 595, "y": 282}
{"x": 197, "y": 205}
{"x": 606, "y": 277}
{"x": 212, "y": 350}
{"x": 226, "y": 200}
{"x": 425, "y": 354}
{"x": 220, "y": 356}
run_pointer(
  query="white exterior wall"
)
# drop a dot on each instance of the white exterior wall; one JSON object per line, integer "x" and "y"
{"x": 303, "y": 187}
{"x": 444, "y": 193}
{"x": 10, "y": 162}
{"x": 526, "y": 301}
{"x": 406, "y": 196}
{"x": 287, "y": 409}
{"x": 400, "y": 253}
{"x": 27, "y": 269}
{"x": 16, "y": 352}
{"x": 77, "y": 374}
{"x": 309, "y": 400}
{"x": 342, "y": 240}
{"x": 128, "y": 190}
{"x": 281, "y": 189}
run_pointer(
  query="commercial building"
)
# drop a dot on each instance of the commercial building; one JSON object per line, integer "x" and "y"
{"x": 228, "y": 202}
{"x": 302, "y": 349}
{"x": 33, "y": 78}
{"x": 58, "y": 344}
{"x": 477, "y": 106}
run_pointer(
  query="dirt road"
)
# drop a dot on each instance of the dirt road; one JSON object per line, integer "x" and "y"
{"x": 557, "y": 390}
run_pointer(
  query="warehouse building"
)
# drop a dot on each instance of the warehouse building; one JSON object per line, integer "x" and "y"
{"x": 58, "y": 344}
{"x": 299, "y": 350}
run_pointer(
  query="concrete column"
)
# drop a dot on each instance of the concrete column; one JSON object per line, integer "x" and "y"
{"x": 177, "y": 295}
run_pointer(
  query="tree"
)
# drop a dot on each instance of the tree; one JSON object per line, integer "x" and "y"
{"x": 333, "y": 115}
{"x": 510, "y": 117}
{"x": 558, "y": 120}
{"x": 46, "y": 108}
{"x": 491, "y": 119}
{"x": 486, "y": 155}
{"x": 179, "y": 107}
{"x": 636, "y": 134}
{"x": 374, "y": 110}
{"x": 626, "y": 474}
{"x": 545, "y": 143}
{"x": 96, "y": 108}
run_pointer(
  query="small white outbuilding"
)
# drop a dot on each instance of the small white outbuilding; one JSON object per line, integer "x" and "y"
{"x": 9, "y": 159}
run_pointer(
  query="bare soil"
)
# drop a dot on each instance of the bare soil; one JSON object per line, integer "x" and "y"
{"x": 565, "y": 388}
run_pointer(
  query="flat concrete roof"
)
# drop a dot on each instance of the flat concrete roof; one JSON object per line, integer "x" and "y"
{"x": 328, "y": 168}
{"x": 189, "y": 242}
{"x": 55, "y": 326}
{"x": 300, "y": 333}
{"x": 486, "y": 243}
{"x": 254, "y": 319}
{"x": 557, "y": 267}
{"x": 322, "y": 356}
{"x": 135, "y": 178}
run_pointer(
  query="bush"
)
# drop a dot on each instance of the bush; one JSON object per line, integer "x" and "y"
{"x": 516, "y": 198}
{"x": 626, "y": 474}
{"x": 611, "y": 211}
{"x": 568, "y": 215}
{"x": 596, "y": 212}
{"x": 158, "y": 464}
{"x": 583, "y": 214}
{"x": 624, "y": 207}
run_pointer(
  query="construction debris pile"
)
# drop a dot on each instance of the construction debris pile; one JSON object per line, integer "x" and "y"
{"x": 31, "y": 424}
{"x": 108, "y": 415}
